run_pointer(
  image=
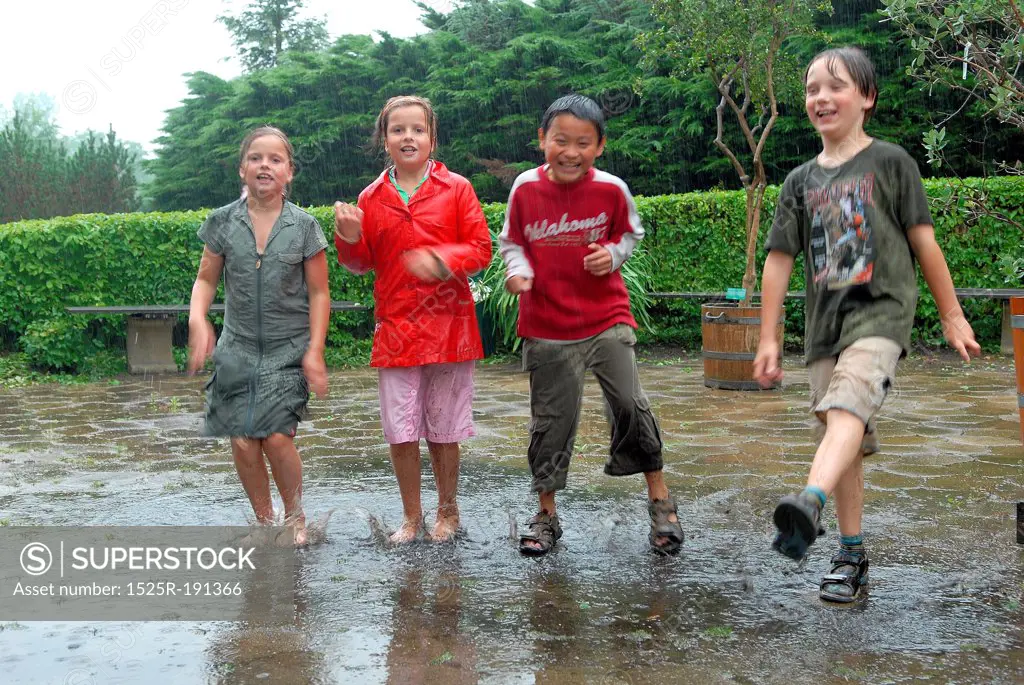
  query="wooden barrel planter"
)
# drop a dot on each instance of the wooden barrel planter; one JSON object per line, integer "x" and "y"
{"x": 1017, "y": 326}
{"x": 730, "y": 333}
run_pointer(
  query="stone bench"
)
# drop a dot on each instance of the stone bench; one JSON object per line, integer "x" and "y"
{"x": 150, "y": 328}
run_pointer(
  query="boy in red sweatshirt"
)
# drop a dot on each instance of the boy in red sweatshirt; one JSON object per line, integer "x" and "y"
{"x": 568, "y": 228}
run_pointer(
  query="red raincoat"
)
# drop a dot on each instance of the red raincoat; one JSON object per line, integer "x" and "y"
{"x": 417, "y": 322}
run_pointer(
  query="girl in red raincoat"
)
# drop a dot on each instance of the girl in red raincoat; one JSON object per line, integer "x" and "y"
{"x": 421, "y": 228}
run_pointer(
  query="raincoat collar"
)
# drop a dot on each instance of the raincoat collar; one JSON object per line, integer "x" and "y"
{"x": 438, "y": 174}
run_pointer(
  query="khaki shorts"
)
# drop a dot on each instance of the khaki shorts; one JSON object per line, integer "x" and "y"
{"x": 857, "y": 381}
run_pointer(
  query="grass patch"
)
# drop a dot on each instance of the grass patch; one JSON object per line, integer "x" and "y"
{"x": 346, "y": 352}
{"x": 17, "y": 372}
{"x": 183, "y": 484}
{"x": 847, "y": 673}
{"x": 719, "y": 631}
{"x": 81, "y": 462}
{"x": 501, "y": 359}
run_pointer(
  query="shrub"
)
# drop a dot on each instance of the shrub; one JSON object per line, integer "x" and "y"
{"x": 694, "y": 242}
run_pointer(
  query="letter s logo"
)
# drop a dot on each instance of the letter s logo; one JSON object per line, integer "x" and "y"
{"x": 36, "y": 558}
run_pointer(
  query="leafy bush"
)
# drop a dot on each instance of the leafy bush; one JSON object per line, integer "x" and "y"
{"x": 502, "y": 308}
{"x": 694, "y": 242}
{"x": 1013, "y": 269}
{"x": 58, "y": 344}
{"x": 118, "y": 259}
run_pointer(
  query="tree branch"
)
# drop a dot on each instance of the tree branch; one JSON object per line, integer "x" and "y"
{"x": 723, "y": 88}
{"x": 1016, "y": 13}
{"x": 772, "y": 100}
{"x": 741, "y": 117}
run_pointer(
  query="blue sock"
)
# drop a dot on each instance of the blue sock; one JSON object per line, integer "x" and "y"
{"x": 854, "y": 544}
{"x": 817, "y": 492}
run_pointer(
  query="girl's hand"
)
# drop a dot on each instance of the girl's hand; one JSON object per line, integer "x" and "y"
{"x": 201, "y": 340}
{"x": 599, "y": 261}
{"x": 518, "y": 284}
{"x": 315, "y": 370}
{"x": 423, "y": 264}
{"x": 766, "y": 363}
{"x": 348, "y": 222}
{"x": 960, "y": 337}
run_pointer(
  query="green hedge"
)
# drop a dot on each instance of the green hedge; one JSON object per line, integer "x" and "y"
{"x": 118, "y": 259}
{"x": 695, "y": 242}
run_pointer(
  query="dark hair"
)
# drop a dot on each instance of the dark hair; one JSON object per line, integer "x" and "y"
{"x": 580, "y": 106}
{"x": 268, "y": 131}
{"x": 380, "y": 128}
{"x": 862, "y": 71}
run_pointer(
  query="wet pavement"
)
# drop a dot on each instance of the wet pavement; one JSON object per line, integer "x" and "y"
{"x": 945, "y": 603}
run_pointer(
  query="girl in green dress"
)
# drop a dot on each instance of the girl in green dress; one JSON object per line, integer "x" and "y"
{"x": 271, "y": 351}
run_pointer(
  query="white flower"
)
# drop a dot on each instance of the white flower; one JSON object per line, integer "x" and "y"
{"x": 480, "y": 290}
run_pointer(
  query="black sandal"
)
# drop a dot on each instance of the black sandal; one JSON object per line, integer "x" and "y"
{"x": 545, "y": 530}
{"x": 662, "y": 527}
{"x": 798, "y": 518}
{"x": 848, "y": 571}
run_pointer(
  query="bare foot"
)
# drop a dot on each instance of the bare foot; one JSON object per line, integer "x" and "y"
{"x": 406, "y": 532}
{"x": 298, "y": 524}
{"x": 446, "y": 526}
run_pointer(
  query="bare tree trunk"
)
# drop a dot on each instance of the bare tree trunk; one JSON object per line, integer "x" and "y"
{"x": 755, "y": 200}
{"x": 751, "y": 226}
{"x": 278, "y": 34}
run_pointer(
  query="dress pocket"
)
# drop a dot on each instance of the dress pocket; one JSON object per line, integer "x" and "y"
{"x": 290, "y": 264}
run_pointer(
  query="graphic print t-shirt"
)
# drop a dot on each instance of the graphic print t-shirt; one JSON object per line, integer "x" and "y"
{"x": 851, "y": 223}
{"x": 548, "y": 229}
{"x": 842, "y": 249}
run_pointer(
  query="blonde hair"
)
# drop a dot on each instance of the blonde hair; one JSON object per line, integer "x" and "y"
{"x": 380, "y": 129}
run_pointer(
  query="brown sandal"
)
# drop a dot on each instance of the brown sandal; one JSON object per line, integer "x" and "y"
{"x": 662, "y": 527}
{"x": 544, "y": 530}
{"x": 848, "y": 575}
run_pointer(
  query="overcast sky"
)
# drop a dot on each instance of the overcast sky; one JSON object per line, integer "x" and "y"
{"x": 121, "y": 62}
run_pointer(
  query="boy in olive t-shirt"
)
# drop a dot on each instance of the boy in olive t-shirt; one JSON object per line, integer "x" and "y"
{"x": 859, "y": 214}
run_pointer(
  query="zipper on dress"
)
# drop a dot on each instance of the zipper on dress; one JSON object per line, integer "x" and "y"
{"x": 254, "y": 380}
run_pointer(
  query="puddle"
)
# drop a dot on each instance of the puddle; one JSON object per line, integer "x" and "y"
{"x": 945, "y": 603}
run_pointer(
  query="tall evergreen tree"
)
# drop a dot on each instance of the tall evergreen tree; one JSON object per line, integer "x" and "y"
{"x": 491, "y": 80}
{"x": 266, "y": 29}
{"x": 101, "y": 175}
{"x": 33, "y": 185}
{"x": 46, "y": 180}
